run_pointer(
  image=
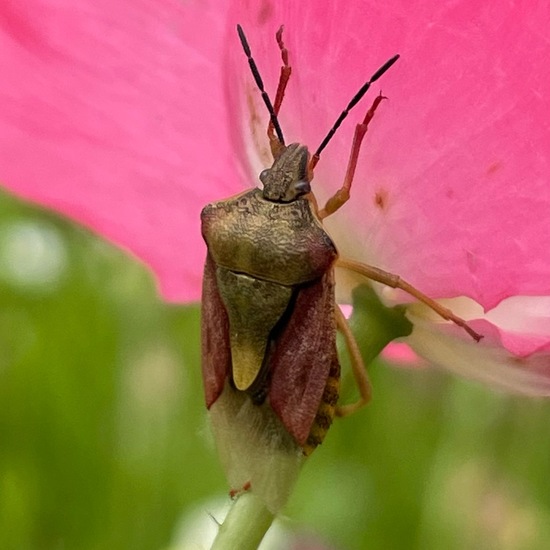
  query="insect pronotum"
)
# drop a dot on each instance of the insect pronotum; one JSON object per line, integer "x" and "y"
{"x": 269, "y": 317}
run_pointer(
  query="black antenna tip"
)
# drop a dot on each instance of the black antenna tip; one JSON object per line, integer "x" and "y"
{"x": 243, "y": 40}
{"x": 260, "y": 84}
{"x": 355, "y": 99}
{"x": 384, "y": 68}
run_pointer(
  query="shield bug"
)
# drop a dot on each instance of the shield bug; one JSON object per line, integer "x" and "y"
{"x": 269, "y": 317}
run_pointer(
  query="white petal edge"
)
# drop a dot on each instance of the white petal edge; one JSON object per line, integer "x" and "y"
{"x": 477, "y": 361}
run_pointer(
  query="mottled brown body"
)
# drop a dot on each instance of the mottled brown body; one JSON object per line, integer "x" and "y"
{"x": 269, "y": 317}
{"x": 269, "y": 285}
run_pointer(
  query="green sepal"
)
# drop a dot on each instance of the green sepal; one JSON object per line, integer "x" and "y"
{"x": 375, "y": 325}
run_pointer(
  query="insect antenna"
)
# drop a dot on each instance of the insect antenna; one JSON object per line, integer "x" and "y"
{"x": 260, "y": 84}
{"x": 354, "y": 102}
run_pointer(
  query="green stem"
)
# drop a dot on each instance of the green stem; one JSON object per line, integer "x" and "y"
{"x": 245, "y": 525}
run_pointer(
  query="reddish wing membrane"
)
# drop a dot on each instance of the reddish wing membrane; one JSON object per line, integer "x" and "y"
{"x": 216, "y": 351}
{"x": 304, "y": 362}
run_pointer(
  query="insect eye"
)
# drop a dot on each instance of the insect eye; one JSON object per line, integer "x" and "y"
{"x": 264, "y": 174}
{"x": 302, "y": 187}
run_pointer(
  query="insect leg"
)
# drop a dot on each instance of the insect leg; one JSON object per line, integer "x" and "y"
{"x": 395, "y": 281}
{"x": 284, "y": 76}
{"x": 342, "y": 195}
{"x": 357, "y": 366}
{"x": 260, "y": 84}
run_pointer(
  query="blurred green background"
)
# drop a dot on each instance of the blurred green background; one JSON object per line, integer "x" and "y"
{"x": 104, "y": 442}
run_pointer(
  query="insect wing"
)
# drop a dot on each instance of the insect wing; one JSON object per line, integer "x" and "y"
{"x": 216, "y": 352}
{"x": 304, "y": 363}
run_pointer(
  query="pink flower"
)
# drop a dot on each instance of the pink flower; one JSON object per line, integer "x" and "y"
{"x": 130, "y": 116}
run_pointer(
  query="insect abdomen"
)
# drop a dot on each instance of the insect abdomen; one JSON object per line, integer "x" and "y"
{"x": 325, "y": 413}
{"x": 304, "y": 365}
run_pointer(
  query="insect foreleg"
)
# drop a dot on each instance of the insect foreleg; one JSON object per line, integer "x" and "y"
{"x": 284, "y": 76}
{"x": 342, "y": 195}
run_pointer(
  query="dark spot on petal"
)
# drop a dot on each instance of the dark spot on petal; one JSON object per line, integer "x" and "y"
{"x": 381, "y": 199}
{"x": 494, "y": 167}
{"x": 265, "y": 12}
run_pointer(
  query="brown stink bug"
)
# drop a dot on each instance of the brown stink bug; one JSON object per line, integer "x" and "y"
{"x": 269, "y": 317}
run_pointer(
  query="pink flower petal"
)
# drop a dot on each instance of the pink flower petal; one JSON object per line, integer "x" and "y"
{"x": 523, "y": 323}
{"x": 120, "y": 115}
{"x": 401, "y": 354}
{"x": 113, "y": 113}
{"x": 486, "y": 363}
{"x": 452, "y": 190}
